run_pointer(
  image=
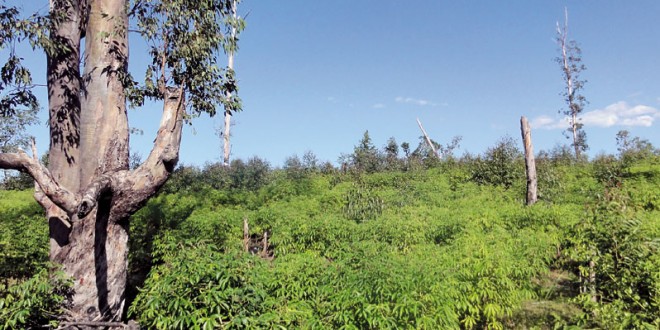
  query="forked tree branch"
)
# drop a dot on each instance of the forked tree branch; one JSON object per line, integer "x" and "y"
{"x": 143, "y": 182}
{"x": 138, "y": 185}
{"x": 47, "y": 184}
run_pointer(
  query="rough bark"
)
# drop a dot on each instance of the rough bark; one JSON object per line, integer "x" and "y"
{"x": 63, "y": 79}
{"x": 530, "y": 162}
{"x": 103, "y": 215}
{"x": 95, "y": 253}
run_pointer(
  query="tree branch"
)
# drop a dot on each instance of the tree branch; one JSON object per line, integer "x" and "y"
{"x": 39, "y": 195}
{"x": 99, "y": 324}
{"x": 144, "y": 181}
{"x": 49, "y": 186}
{"x": 91, "y": 195}
{"x": 52, "y": 210}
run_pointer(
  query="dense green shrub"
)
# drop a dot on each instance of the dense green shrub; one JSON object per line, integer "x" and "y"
{"x": 23, "y": 235}
{"x": 362, "y": 204}
{"x": 438, "y": 248}
{"x": 634, "y": 149}
{"x": 36, "y": 302}
{"x": 365, "y": 158}
{"x": 608, "y": 170}
{"x": 501, "y": 165}
{"x": 196, "y": 286}
{"x": 16, "y": 181}
{"x": 614, "y": 251}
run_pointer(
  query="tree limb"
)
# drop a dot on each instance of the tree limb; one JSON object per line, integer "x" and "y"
{"x": 92, "y": 193}
{"x": 144, "y": 181}
{"x": 49, "y": 186}
{"x": 39, "y": 195}
{"x": 64, "y": 325}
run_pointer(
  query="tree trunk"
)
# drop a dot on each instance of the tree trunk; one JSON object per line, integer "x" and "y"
{"x": 100, "y": 277}
{"x": 63, "y": 77}
{"x": 592, "y": 280}
{"x": 88, "y": 192}
{"x": 428, "y": 140}
{"x": 246, "y": 235}
{"x": 570, "y": 84}
{"x": 530, "y": 163}
{"x": 226, "y": 136}
{"x": 230, "y": 65}
{"x": 576, "y": 145}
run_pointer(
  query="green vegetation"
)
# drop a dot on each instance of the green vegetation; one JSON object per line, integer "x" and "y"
{"x": 29, "y": 296}
{"x": 384, "y": 242}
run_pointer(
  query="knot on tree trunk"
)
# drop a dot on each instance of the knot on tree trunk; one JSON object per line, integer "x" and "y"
{"x": 169, "y": 155}
{"x": 93, "y": 192}
{"x": 86, "y": 205}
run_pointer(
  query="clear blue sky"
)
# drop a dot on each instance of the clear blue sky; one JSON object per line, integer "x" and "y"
{"x": 314, "y": 75}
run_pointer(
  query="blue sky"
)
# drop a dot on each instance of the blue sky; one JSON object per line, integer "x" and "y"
{"x": 314, "y": 75}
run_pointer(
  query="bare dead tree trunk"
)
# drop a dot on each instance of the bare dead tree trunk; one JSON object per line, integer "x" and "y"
{"x": 230, "y": 64}
{"x": 428, "y": 140}
{"x": 592, "y": 280}
{"x": 530, "y": 163}
{"x": 226, "y": 139}
{"x": 264, "y": 245}
{"x": 246, "y": 235}
{"x": 570, "y": 82}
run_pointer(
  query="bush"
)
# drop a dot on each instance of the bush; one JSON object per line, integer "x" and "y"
{"x": 608, "y": 170}
{"x": 36, "y": 302}
{"x": 618, "y": 249}
{"x": 501, "y": 165}
{"x": 20, "y": 181}
{"x": 251, "y": 175}
{"x": 197, "y": 286}
{"x": 361, "y": 205}
{"x": 23, "y": 235}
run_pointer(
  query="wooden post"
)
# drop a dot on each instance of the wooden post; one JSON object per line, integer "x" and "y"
{"x": 264, "y": 249}
{"x": 428, "y": 140}
{"x": 246, "y": 235}
{"x": 592, "y": 280}
{"x": 530, "y": 163}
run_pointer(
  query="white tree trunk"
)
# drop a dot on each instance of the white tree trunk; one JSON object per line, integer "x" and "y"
{"x": 428, "y": 140}
{"x": 230, "y": 64}
{"x": 530, "y": 163}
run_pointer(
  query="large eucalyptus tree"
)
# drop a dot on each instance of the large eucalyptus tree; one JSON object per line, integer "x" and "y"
{"x": 87, "y": 190}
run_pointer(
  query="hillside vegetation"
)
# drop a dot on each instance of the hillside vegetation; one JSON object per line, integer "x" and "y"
{"x": 383, "y": 242}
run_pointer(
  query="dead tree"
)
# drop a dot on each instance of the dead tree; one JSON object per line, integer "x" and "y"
{"x": 246, "y": 235}
{"x": 231, "y": 103}
{"x": 572, "y": 66}
{"x": 428, "y": 139}
{"x": 530, "y": 163}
